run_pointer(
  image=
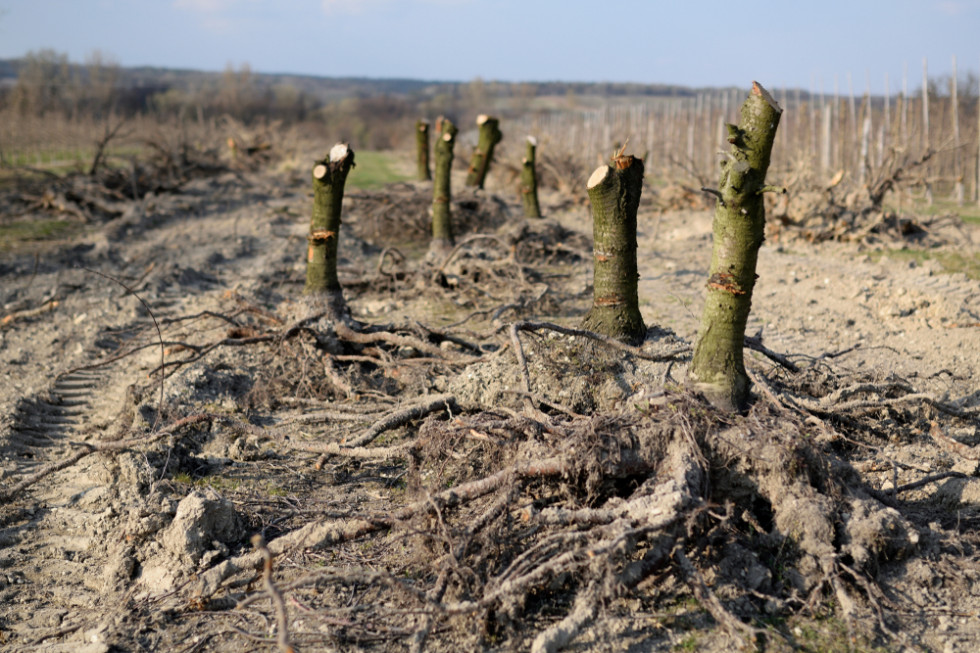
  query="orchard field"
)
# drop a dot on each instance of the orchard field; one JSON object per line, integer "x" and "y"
{"x": 193, "y": 458}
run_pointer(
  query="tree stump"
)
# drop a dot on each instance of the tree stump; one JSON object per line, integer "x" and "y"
{"x": 614, "y": 192}
{"x": 718, "y": 369}
{"x": 490, "y": 135}
{"x": 322, "y": 283}
{"x": 442, "y": 228}
{"x": 529, "y": 181}
{"x": 422, "y": 150}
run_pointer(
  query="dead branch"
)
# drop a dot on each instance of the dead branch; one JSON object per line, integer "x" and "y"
{"x": 583, "y": 613}
{"x": 403, "y": 416}
{"x": 755, "y": 343}
{"x": 466, "y": 241}
{"x": 10, "y": 318}
{"x": 109, "y": 133}
{"x": 710, "y": 601}
{"x": 282, "y": 618}
{"x": 949, "y": 444}
{"x": 829, "y": 405}
{"x": 922, "y": 482}
{"x": 316, "y": 535}
{"x": 344, "y": 332}
{"x": 639, "y": 352}
{"x": 326, "y": 415}
{"x": 338, "y": 449}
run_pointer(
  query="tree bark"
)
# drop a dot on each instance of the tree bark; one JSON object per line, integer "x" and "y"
{"x": 442, "y": 228}
{"x": 329, "y": 177}
{"x": 718, "y": 368}
{"x": 422, "y": 149}
{"x": 490, "y": 135}
{"x": 614, "y": 192}
{"x": 529, "y": 181}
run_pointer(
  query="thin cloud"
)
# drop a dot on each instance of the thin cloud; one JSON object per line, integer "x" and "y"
{"x": 352, "y": 7}
{"x": 204, "y": 6}
{"x": 956, "y": 7}
{"x": 214, "y": 15}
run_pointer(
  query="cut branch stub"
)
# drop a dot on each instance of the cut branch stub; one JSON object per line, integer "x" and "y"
{"x": 490, "y": 135}
{"x": 329, "y": 177}
{"x": 442, "y": 228}
{"x": 614, "y": 192}
{"x": 718, "y": 368}
{"x": 529, "y": 181}
{"x": 422, "y": 149}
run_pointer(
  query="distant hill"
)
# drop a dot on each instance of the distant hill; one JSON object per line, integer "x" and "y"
{"x": 328, "y": 89}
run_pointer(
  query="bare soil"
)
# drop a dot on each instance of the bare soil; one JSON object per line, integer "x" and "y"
{"x": 200, "y": 403}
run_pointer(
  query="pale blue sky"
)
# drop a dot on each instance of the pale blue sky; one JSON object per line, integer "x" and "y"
{"x": 706, "y": 43}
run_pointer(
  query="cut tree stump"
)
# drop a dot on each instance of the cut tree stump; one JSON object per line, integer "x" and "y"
{"x": 529, "y": 181}
{"x": 490, "y": 135}
{"x": 322, "y": 284}
{"x": 422, "y": 150}
{"x": 442, "y": 227}
{"x": 718, "y": 369}
{"x": 614, "y": 191}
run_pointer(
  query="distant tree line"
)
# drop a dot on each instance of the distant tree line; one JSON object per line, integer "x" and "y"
{"x": 375, "y": 113}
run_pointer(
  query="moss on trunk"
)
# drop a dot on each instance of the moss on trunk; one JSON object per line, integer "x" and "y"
{"x": 718, "y": 368}
{"x": 529, "y": 181}
{"x": 614, "y": 192}
{"x": 442, "y": 227}
{"x": 490, "y": 135}
{"x": 329, "y": 177}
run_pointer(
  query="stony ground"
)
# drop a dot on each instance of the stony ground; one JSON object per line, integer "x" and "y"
{"x": 130, "y": 548}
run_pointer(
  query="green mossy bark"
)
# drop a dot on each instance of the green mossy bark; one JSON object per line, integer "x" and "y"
{"x": 442, "y": 227}
{"x": 529, "y": 182}
{"x": 422, "y": 150}
{"x": 615, "y": 198}
{"x": 329, "y": 177}
{"x": 718, "y": 368}
{"x": 490, "y": 135}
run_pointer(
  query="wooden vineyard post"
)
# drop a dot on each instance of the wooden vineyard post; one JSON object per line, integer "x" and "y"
{"x": 958, "y": 189}
{"x": 329, "y": 177}
{"x": 529, "y": 181}
{"x": 717, "y": 368}
{"x": 614, "y": 192}
{"x": 442, "y": 228}
{"x": 490, "y": 135}
{"x": 422, "y": 149}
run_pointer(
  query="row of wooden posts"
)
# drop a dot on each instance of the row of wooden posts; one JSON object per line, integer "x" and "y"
{"x": 822, "y": 134}
{"x": 717, "y": 368}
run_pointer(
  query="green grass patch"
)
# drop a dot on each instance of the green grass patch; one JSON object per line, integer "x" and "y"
{"x": 373, "y": 170}
{"x": 951, "y": 262}
{"x": 969, "y": 212}
{"x": 69, "y": 159}
{"x": 14, "y": 235}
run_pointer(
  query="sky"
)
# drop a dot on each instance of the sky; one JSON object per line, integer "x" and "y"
{"x": 813, "y": 45}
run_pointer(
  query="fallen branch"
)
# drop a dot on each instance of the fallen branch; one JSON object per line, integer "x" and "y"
{"x": 282, "y": 618}
{"x": 639, "y": 352}
{"x": 344, "y": 332}
{"x": 317, "y": 535}
{"x": 922, "y": 482}
{"x": 337, "y": 449}
{"x": 10, "y": 318}
{"x": 949, "y": 444}
{"x": 755, "y": 343}
{"x": 403, "y": 416}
